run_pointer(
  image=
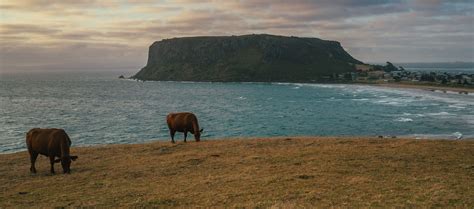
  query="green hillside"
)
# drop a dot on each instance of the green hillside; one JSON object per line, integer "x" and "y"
{"x": 266, "y": 58}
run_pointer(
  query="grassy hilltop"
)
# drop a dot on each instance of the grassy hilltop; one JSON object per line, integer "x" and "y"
{"x": 278, "y": 172}
{"x": 245, "y": 58}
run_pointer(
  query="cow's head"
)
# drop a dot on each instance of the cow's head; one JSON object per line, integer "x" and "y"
{"x": 66, "y": 163}
{"x": 197, "y": 135}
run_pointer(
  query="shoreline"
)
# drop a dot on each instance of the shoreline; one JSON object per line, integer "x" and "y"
{"x": 246, "y": 138}
{"x": 443, "y": 89}
{"x": 428, "y": 87}
{"x": 281, "y": 172}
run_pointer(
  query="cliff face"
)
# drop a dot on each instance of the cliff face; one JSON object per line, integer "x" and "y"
{"x": 245, "y": 58}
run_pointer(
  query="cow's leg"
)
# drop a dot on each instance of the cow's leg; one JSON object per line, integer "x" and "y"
{"x": 172, "y": 132}
{"x": 51, "y": 160}
{"x": 185, "y": 135}
{"x": 33, "y": 156}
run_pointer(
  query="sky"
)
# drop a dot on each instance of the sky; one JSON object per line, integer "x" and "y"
{"x": 115, "y": 35}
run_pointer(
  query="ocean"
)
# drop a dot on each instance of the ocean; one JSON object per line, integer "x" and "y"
{"x": 98, "y": 108}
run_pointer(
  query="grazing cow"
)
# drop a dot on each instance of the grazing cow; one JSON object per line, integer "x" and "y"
{"x": 183, "y": 122}
{"x": 51, "y": 143}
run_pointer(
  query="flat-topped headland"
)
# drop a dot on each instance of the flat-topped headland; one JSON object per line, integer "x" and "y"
{"x": 250, "y": 58}
{"x": 273, "y": 58}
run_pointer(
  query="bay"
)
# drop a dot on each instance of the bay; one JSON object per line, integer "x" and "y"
{"x": 98, "y": 108}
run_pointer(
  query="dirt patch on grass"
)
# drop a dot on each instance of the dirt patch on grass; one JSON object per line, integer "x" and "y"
{"x": 278, "y": 173}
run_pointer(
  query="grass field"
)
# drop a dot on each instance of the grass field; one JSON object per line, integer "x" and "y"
{"x": 276, "y": 173}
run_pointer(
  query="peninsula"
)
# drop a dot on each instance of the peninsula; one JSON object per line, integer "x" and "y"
{"x": 251, "y": 58}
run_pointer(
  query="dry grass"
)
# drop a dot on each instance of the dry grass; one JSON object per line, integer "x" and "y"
{"x": 276, "y": 173}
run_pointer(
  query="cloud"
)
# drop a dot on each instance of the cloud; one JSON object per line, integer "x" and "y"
{"x": 51, "y": 4}
{"x": 11, "y": 29}
{"x": 155, "y": 9}
{"x": 72, "y": 57}
{"x": 74, "y": 34}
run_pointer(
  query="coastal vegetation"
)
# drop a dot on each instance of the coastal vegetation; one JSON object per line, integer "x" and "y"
{"x": 283, "y": 172}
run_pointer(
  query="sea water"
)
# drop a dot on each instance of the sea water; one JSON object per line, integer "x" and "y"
{"x": 98, "y": 108}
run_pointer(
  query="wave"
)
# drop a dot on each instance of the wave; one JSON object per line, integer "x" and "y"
{"x": 329, "y": 86}
{"x": 404, "y": 119}
{"x": 440, "y": 114}
{"x": 469, "y": 119}
{"x": 399, "y": 97}
{"x": 411, "y": 114}
{"x": 451, "y": 136}
{"x": 281, "y": 83}
{"x": 129, "y": 79}
{"x": 457, "y": 106}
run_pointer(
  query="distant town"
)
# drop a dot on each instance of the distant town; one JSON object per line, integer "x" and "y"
{"x": 389, "y": 73}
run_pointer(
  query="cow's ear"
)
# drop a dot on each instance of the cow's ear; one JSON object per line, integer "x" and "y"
{"x": 57, "y": 160}
{"x": 200, "y": 131}
{"x": 73, "y": 158}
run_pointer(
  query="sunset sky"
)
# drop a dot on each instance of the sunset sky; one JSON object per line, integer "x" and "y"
{"x": 115, "y": 35}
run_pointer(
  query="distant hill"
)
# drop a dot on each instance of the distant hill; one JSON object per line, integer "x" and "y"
{"x": 266, "y": 58}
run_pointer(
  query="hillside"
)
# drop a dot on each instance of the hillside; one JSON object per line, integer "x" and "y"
{"x": 283, "y": 172}
{"x": 266, "y": 58}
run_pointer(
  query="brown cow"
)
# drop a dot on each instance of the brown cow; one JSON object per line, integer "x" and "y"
{"x": 51, "y": 143}
{"x": 183, "y": 122}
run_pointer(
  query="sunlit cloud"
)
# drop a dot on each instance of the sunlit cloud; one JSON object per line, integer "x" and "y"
{"x": 92, "y": 34}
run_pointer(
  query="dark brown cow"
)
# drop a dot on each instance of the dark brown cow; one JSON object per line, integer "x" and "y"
{"x": 51, "y": 143}
{"x": 183, "y": 122}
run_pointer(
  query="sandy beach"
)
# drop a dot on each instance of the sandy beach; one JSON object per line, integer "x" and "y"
{"x": 445, "y": 89}
{"x": 284, "y": 172}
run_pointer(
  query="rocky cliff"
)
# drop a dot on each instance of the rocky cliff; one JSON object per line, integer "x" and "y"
{"x": 266, "y": 58}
